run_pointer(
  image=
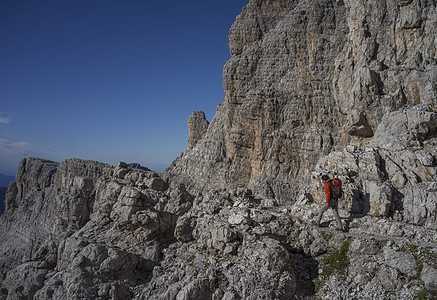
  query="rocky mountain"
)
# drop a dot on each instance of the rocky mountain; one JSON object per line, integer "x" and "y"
{"x": 343, "y": 88}
{"x": 307, "y": 78}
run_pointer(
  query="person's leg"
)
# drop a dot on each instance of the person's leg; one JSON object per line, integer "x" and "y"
{"x": 321, "y": 212}
{"x": 337, "y": 217}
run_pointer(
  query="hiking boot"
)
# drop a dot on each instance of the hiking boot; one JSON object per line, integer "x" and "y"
{"x": 339, "y": 229}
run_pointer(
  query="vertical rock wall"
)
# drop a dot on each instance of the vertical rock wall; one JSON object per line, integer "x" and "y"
{"x": 197, "y": 126}
{"x": 306, "y": 78}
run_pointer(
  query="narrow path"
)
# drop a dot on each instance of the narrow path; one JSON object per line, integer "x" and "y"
{"x": 429, "y": 233}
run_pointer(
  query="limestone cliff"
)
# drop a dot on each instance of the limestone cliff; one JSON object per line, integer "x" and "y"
{"x": 307, "y": 78}
{"x": 344, "y": 88}
{"x": 197, "y": 126}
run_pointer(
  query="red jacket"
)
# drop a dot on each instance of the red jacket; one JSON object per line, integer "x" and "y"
{"x": 328, "y": 188}
{"x": 327, "y": 191}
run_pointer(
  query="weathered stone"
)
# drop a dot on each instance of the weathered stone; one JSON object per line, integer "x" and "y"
{"x": 230, "y": 218}
{"x": 25, "y": 280}
{"x": 157, "y": 184}
{"x": 402, "y": 261}
{"x": 197, "y": 289}
{"x": 389, "y": 278}
{"x": 184, "y": 229}
{"x": 429, "y": 277}
{"x": 379, "y": 197}
{"x": 236, "y": 219}
{"x": 365, "y": 246}
{"x": 197, "y": 126}
{"x": 120, "y": 172}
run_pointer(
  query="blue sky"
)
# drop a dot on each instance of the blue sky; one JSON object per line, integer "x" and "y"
{"x": 108, "y": 80}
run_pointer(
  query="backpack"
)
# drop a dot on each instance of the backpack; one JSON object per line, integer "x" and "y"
{"x": 336, "y": 190}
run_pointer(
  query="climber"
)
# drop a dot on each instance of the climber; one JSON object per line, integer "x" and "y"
{"x": 332, "y": 197}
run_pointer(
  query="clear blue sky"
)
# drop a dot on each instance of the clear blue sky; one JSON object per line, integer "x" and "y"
{"x": 108, "y": 80}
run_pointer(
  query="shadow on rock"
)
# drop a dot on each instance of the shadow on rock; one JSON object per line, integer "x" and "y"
{"x": 306, "y": 268}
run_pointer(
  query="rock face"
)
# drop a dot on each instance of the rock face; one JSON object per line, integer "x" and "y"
{"x": 344, "y": 88}
{"x": 197, "y": 126}
{"x": 395, "y": 177}
{"x": 309, "y": 77}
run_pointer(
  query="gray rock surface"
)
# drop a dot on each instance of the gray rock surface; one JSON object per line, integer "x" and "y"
{"x": 197, "y": 126}
{"x": 118, "y": 238}
{"x": 344, "y": 88}
{"x": 309, "y": 77}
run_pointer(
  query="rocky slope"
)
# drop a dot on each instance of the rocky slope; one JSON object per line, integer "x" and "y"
{"x": 345, "y": 88}
{"x": 82, "y": 229}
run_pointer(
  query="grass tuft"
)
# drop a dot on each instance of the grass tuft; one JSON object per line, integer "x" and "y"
{"x": 337, "y": 261}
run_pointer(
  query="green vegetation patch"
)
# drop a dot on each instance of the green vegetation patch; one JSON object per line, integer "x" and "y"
{"x": 225, "y": 257}
{"x": 318, "y": 283}
{"x": 293, "y": 237}
{"x": 428, "y": 256}
{"x": 337, "y": 261}
{"x": 326, "y": 236}
{"x": 384, "y": 243}
{"x": 422, "y": 294}
{"x": 410, "y": 248}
